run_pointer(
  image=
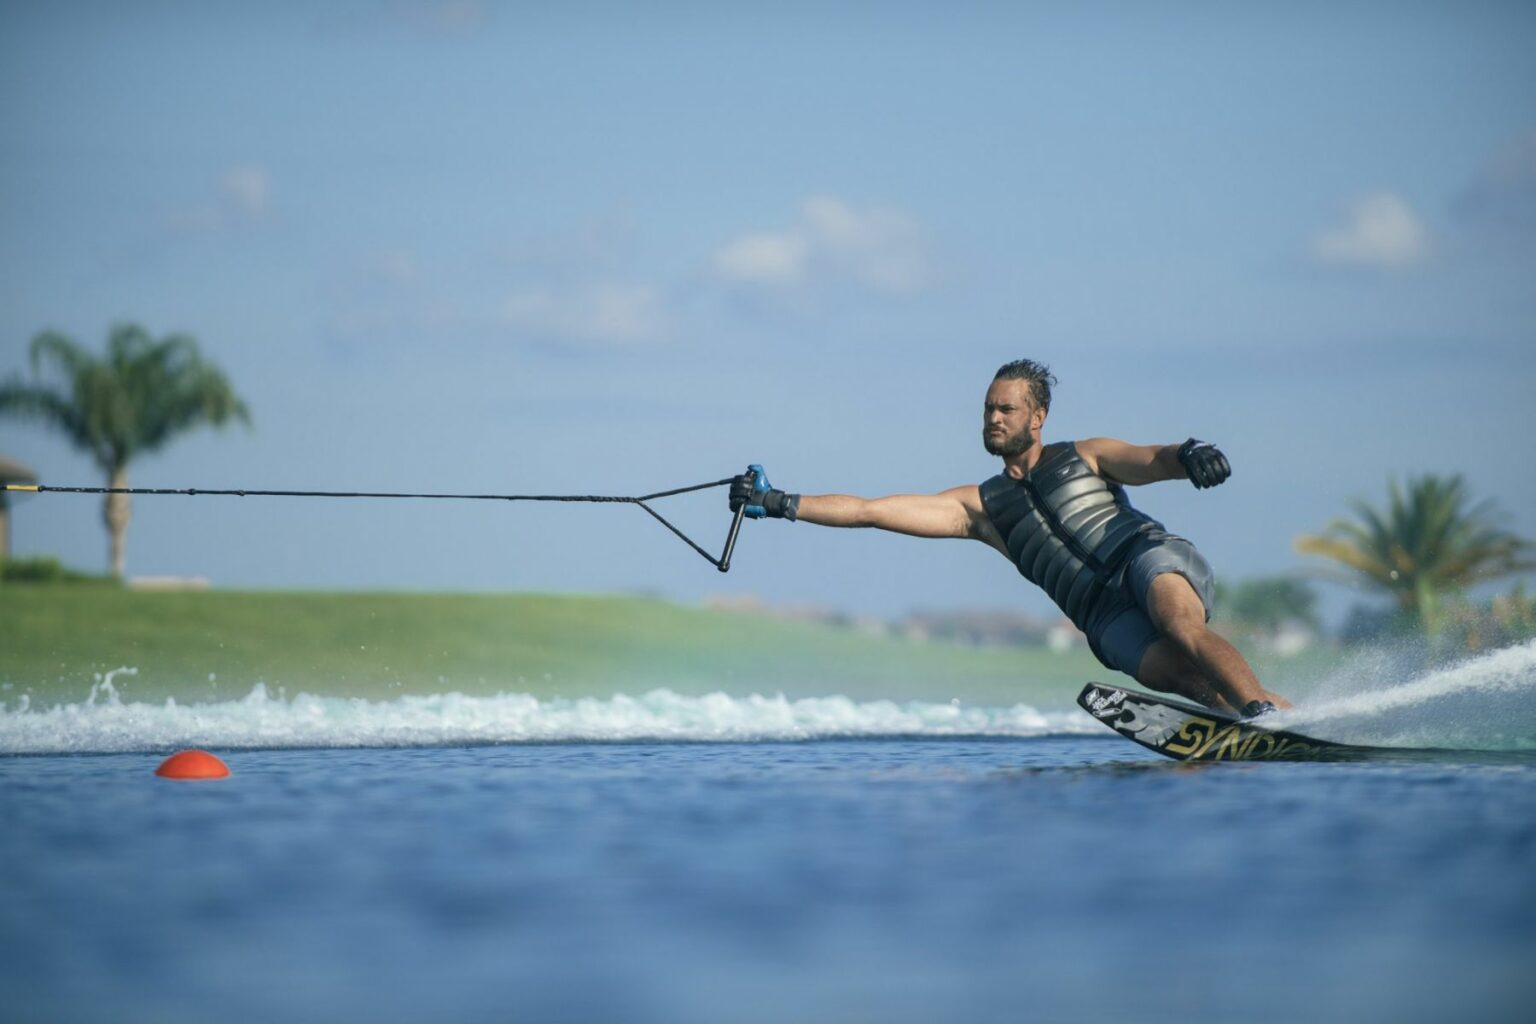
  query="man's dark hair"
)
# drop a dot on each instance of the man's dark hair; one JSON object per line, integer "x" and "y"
{"x": 1039, "y": 376}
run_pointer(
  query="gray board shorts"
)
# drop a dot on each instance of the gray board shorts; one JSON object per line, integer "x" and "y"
{"x": 1119, "y": 631}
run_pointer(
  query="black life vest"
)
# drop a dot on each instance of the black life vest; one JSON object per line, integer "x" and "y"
{"x": 1067, "y": 528}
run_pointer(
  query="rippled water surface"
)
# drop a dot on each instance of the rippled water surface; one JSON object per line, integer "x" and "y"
{"x": 1033, "y": 878}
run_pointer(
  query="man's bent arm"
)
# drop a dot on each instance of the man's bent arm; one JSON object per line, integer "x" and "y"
{"x": 1132, "y": 464}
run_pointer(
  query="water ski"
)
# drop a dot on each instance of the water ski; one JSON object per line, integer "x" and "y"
{"x": 1189, "y": 733}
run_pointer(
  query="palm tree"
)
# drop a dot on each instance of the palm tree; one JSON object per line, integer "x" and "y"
{"x": 1426, "y": 541}
{"x": 143, "y": 394}
{"x": 1268, "y": 603}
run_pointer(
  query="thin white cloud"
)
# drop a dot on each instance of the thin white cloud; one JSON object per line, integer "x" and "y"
{"x": 244, "y": 194}
{"x": 1379, "y": 230}
{"x": 247, "y": 188}
{"x": 604, "y": 313}
{"x": 880, "y": 249}
{"x": 764, "y": 259}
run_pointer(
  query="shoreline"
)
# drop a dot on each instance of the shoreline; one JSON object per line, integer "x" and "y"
{"x": 196, "y": 646}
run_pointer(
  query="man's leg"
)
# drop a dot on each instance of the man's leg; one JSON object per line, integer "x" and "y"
{"x": 1167, "y": 669}
{"x": 1177, "y": 612}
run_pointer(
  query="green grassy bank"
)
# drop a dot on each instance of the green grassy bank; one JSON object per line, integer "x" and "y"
{"x": 217, "y": 645}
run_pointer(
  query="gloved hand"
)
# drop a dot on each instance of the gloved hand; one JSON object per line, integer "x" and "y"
{"x": 1204, "y": 463}
{"x": 753, "y": 490}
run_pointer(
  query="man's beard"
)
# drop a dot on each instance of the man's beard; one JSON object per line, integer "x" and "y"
{"x": 1016, "y": 445}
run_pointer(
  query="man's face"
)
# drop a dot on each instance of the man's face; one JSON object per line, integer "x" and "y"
{"x": 1010, "y": 423}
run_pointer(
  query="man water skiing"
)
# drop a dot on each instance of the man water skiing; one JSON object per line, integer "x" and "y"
{"x": 1059, "y": 512}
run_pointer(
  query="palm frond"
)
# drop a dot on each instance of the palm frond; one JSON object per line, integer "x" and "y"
{"x": 1428, "y": 538}
{"x": 1346, "y": 554}
{"x": 143, "y": 393}
{"x": 41, "y": 404}
{"x": 178, "y": 391}
{"x": 60, "y": 349}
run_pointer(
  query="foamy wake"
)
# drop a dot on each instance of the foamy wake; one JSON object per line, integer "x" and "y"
{"x": 1484, "y": 703}
{"x": 105, "y": 724}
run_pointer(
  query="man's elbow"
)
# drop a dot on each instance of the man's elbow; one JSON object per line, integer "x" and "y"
{"x": 875, "y": 514}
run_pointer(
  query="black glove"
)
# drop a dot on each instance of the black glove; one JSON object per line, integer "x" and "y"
{"x": 1204, "y": 463}
{"x": 753, "y": 490}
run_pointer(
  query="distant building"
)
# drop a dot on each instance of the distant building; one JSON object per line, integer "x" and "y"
{"x": 973, "y": 628}
{"x": 1063, "y": 636}
{"x": 736, "y": 603}
{"x": 981, "y": 628}
{"x": 168, "y": 583}
{"x": 1289, "y": 640}
{"x": 11, "y": 472}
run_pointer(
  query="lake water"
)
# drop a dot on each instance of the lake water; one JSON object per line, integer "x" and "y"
{"x": 733, "y": 859}
{"x": 1051, "y": 878}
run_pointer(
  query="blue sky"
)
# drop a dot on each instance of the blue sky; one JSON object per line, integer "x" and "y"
{"x": 613, "y": 248}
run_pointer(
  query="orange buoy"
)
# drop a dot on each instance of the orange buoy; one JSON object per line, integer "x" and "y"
{"x": 192, "y": 764}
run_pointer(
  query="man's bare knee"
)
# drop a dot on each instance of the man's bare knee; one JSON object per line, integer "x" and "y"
{"x": 1172, "y": 593}
{"x": 1175, "y": 609}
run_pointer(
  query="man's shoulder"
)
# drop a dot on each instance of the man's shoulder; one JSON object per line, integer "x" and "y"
{"x": 1056, "y": 455}
{"x": 1091, "y": 449}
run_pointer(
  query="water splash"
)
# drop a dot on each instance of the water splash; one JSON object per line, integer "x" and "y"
{"x": 103, "y": 689}
{"x": 1484, "y": 703}
{"x": 263, "y": 720}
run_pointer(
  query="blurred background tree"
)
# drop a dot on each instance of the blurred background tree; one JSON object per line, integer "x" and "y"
{"x": 1430, "y": 540}
{"x": 1509, "y": 618}
{"x": 1268, "y": 603}
{"x": 144, "y": 393}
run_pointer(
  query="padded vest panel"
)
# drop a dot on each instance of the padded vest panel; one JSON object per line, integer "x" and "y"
{"x": 1066, "y": 527}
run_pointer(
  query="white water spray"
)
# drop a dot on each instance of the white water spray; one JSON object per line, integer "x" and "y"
{"x": 108, "y": 725}
{"x": 1484, "y": 703}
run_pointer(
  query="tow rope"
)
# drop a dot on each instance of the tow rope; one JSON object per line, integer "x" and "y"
{"x": 723, "y": 563}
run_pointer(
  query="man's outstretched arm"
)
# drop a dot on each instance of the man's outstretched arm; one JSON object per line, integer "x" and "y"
{"x": 1199, "y": 462}
{"x": 946, "y": 514}
{"x": 956, "y": 512}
